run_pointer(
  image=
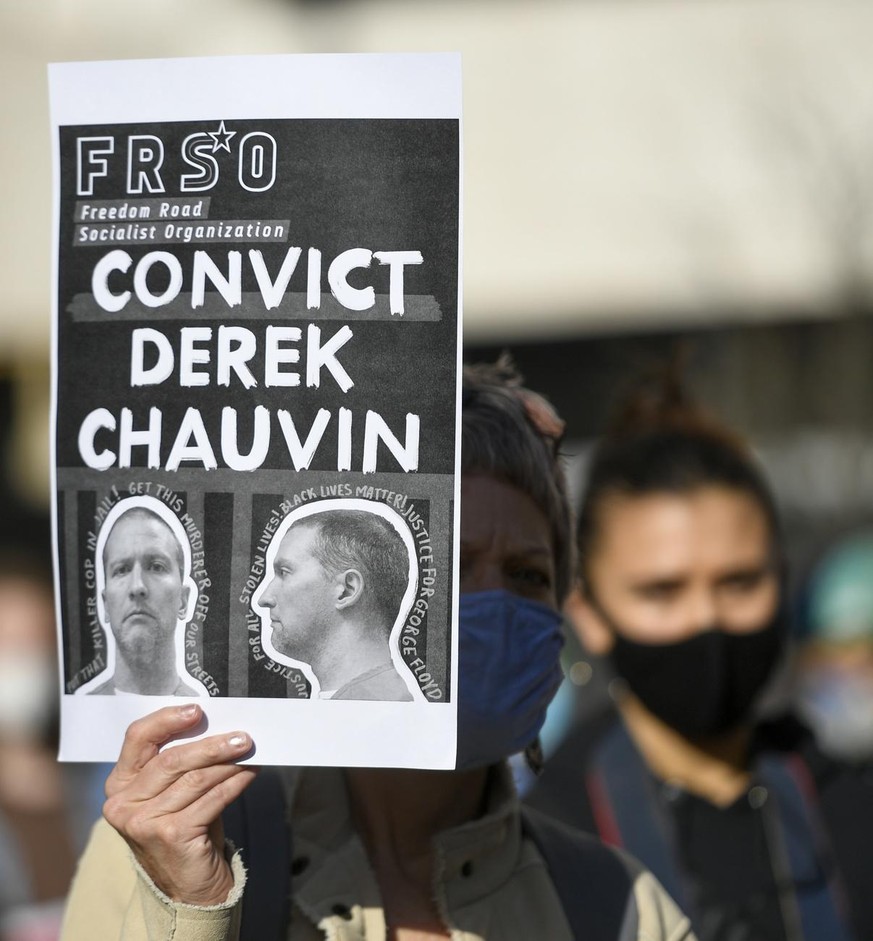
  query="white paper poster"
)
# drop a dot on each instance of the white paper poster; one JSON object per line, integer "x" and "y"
{"x": 256, "y": 349}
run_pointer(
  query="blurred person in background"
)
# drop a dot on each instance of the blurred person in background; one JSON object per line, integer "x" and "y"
{"x": 403, "y": 855}
{"x": 833, "y": 675}
{"x": 45, "y": 809}
{"x": 757, "y": 834}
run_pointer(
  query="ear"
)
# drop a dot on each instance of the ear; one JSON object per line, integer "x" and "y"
{"x": 593, "y": 632}
{"x": 350, "y": 587}
{"x": 183, "y": 602}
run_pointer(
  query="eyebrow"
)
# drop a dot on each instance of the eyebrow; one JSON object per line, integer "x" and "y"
{"x": 675, "y": 579}
{"x": 543, "y": 558}
{"x": 155, "y": 554}
{"x": 658, "y": 581}
{"x": 747, "y": 571}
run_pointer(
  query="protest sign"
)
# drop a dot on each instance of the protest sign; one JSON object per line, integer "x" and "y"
{"x": 256, "y": 390}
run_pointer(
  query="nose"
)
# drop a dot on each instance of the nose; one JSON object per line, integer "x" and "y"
{"x": 137, "y": 586}
{"x": 484, "y": 576}
{"x": 704, "y": 612}
{"x": 267, "y": 599}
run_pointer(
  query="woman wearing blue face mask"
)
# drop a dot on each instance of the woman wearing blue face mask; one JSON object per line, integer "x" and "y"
{"x": 383, "y": 854}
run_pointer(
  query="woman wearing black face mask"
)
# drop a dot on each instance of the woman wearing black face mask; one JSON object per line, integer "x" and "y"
{"x": 681, "y": 591}
{"x": 391, "y": 855}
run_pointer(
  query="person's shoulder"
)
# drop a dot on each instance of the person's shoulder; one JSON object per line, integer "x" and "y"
{"x": 839, "y": 794}
{"x": 382, "y": 683}
{"x": 657, "y": 914}
{"x": 183, "y": 689}
{"x": 789, "y": 738}
{"x": 605, "y": 892}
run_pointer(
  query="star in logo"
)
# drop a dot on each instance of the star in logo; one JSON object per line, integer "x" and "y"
{"x": 221, "y": 138}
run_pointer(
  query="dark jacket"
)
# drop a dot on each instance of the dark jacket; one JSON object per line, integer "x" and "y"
{"x": 791, "y": 859}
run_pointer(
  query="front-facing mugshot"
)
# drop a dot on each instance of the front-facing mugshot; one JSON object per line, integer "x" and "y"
{"x": 145, "y": 598}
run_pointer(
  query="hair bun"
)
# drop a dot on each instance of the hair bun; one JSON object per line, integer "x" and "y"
{"x": 659, "y": 403}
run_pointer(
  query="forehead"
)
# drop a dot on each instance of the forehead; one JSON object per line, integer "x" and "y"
{"x": 297, "y": 541}
{"x": 139, "y": 532}
{"x": 665, "y": 531}
{"x": 494, "y": 510}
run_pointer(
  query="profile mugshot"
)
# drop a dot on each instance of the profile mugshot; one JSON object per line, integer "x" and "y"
{"x": 145, "y": 598}
{"x": 340, "y": 580}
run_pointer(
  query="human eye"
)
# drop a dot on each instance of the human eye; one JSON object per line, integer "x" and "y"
{"x": 658, "y": 592}
{"x": 531, "y": 575}
{"x": 743, "y": 583}
{"x": 159, "y": 566}
{"x": 119, "y": 569}
{"x": 530, "y": 579}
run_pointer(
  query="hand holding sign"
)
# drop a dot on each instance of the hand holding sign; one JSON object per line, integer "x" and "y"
{"x": 167, "y": 804}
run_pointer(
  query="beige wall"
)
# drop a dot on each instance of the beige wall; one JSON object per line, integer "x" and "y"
{"x": 626, "y": 163}
{"x": 646, "y": 163}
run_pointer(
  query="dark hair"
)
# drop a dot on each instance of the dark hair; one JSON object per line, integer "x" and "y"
{"x": 144, "y": 511}
{"x": 362, "y": 540}
{"x": 513, "y": 434}
{"x": 662, "y": 442}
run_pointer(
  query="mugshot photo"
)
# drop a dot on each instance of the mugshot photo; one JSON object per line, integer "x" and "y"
{"x": 340, "y": 579}
{"x": 145, "y": 597}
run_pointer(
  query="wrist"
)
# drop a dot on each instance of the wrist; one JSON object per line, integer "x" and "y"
{"x": 222, "y": 893}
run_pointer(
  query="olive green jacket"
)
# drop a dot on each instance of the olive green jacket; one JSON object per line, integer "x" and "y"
{"x": 491, "y": 883}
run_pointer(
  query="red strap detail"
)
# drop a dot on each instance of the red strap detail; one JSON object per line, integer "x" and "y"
{"x": 798, "y": 770}
{"x": 601, "y": 806}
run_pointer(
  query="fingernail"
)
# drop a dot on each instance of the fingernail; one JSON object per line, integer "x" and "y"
{"x": 187, "y": 712}
{"x": 237, "y": 740}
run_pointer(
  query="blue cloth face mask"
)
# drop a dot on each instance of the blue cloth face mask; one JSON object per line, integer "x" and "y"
{"x": 508, "y": 673}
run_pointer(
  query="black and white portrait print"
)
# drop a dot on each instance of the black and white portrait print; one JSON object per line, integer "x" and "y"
{"x": 340, "y": 580}
{"x": 145, "y": 596}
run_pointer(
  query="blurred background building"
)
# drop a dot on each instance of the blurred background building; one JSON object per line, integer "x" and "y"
{"x": 638, "y": 173}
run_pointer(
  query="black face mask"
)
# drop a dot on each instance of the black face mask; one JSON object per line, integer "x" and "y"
{"x": 703, "y": 686}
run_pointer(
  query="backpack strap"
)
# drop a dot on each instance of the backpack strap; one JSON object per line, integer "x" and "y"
{"x": 256, "y": 823}
{"x": 593, "y": 884}
{"x": 629, "y": 815}
{"x": 800, "y": 848}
